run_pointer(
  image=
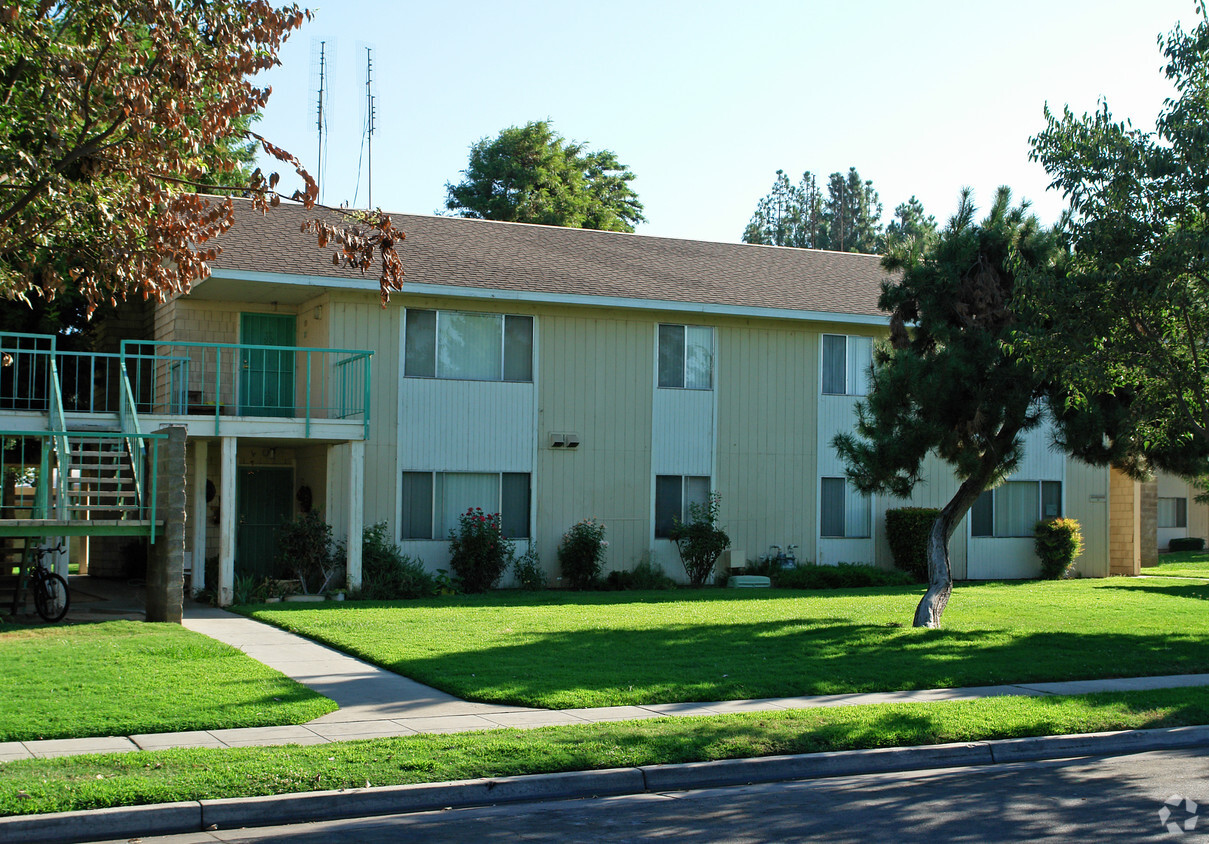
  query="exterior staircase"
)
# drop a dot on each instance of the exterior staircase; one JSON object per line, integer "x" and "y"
{"x": 99, "y": 480}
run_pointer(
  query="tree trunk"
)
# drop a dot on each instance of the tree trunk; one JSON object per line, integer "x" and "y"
{"x": 940, "y": 573}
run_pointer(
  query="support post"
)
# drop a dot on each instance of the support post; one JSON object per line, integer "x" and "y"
{"x": 356, "y": 510}
{"x": 226, "y": 524}
{"x": 201, "y": 456}
{"x": 166, "y": 556}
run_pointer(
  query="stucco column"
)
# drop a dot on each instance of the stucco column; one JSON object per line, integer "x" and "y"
{"x": 356, "y": 510}
{"x": 226, "y": 524}
{"x": 201, "y": 454}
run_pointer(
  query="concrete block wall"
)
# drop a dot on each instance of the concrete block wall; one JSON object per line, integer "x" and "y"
{"x": 166, "y": 556}
{"x": 1124, "y": 525}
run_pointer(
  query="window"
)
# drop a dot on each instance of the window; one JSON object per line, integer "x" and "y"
{"x": 843, "y": 511}
{"x": 686, "y": 356}
{"x": 1015, "y": 507}
{"x": 846, "y": 362}
{"x": 1173, "y": 512}
{"x": 432, "y": 501}
{"x": 467, "y": 346}
{"x": 673, "y": 495}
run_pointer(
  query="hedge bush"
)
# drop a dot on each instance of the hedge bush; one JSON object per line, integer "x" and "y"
{"x": 1058, "y": 542}
{"x": 581, "y": 553}
{"x": 842, "y": 576}
{"x": 700, "y": 541}
{"x": 645, "y": 575}
{"x": 907, "y": 530}
{"x": 1186, "y": 543}
{"x": 387, "y": 573}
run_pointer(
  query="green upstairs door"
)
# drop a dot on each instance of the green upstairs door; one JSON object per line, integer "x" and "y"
{"x": 264, "y": 499}
{"x": 266, "y": 375}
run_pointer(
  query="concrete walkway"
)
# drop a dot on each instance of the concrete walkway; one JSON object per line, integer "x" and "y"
{"x": 377, "y": 703}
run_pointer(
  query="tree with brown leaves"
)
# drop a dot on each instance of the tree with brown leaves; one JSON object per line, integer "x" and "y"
{"x": 121, "y": 124}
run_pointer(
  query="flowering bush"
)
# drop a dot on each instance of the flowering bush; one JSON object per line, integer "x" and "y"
{"x": 478, "y": 552}
{"x": 699, "y": 540}
{"x": 581, "y": 553}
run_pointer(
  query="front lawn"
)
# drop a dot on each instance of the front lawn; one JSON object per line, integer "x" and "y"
{"x": 563, "y": 650}
{"x": 123, "y": 779}
{"x": 1181, "y": 564}
{"x": 126, "y": 677}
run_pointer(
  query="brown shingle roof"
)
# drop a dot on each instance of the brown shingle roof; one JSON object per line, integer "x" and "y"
{"x": 558, "y": 261}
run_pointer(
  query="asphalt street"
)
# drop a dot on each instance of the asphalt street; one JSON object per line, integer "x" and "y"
{"x": 1109, "y": 799}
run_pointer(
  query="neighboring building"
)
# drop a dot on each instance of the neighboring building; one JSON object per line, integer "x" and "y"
{"x": 555, "y": 374}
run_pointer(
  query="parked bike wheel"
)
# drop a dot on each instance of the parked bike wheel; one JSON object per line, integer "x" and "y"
{"x": 51, "y": 598}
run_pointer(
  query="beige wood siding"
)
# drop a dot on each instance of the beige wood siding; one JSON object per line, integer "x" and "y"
{"x": 594, "y": 374}
{"x": 767, "y": 421}
{"x": 1087, "y": 503}
{"x": 362, "y": 323}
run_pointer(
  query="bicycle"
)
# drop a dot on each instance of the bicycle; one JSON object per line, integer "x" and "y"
{"x": 51, "y": 596}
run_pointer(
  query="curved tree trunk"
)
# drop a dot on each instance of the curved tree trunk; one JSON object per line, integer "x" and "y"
{"x": 940, "y": 574}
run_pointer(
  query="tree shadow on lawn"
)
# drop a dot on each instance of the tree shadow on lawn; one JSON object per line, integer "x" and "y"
{"x": 786, "y": 659}
{"x": 1171, "y": 588}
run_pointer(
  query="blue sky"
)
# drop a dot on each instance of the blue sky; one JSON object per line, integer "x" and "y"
{"x": 706, "y": 100}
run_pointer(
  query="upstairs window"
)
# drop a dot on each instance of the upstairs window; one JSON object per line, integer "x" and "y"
{"x": 1015, "y": 507}
{"x": 846, "y": 362}
{"x": 1173, "y": 512}
{"x": 467, "y": 346}
{"x": 686, "y": 357}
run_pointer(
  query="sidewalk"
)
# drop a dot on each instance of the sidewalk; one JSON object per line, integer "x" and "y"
{"x": 376, "y": 703}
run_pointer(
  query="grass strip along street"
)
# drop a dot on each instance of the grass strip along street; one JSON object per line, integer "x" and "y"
{"x": 90, "y": 782}
{"x": 127, "y": 677}
{"x": 563, "y": 650}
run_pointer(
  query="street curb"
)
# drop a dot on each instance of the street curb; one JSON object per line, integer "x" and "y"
{"x": 838, "y": 763}
{"x": 231, "y": 813}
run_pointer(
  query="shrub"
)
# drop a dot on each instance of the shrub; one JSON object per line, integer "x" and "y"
{"x": 1186, "y": 543}
{"x": 581, "y": 553}
{"x": 699, "y": 540}
{"x": 645, "y": 575}
{"x": 478, "y": 552}
{"x": 842, "y": 576}
{"x": 907, "y": 530}
{"x": 1058, "y": 542}
{"x": 387, "y": 573}
{"x": 304, "y": 551}
{"x": 528, "y": 571}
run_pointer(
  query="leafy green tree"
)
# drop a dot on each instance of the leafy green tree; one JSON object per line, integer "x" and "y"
{"x": 911, "y": 223}
{"x": 790, "y": 215}
{"x": 531, "y": 174}
{"x": 115, "y": 117}
{"x": 949, "y": 383}
{"x": 1127, "y": 331}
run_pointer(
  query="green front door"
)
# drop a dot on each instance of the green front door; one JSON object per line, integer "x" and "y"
{"x": 266, "y": 375}
{"x": 264, "y": 499}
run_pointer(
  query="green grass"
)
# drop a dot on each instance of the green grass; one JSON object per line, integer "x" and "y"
{"x": 562, "y": 650}
{"x": 90, "y": 782}
{"x": 124, "y": 677}
{"x": 1181, "y": 564}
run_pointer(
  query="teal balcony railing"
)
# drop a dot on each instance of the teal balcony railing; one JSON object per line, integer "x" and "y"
{"x": 230, "y": 379}
{"x": 73, "y": 475}
{"x": 222, "y": 380}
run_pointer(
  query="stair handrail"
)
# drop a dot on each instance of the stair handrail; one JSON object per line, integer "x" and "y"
{"x": 57, "y": 427}
{"x": 132, "y": 433}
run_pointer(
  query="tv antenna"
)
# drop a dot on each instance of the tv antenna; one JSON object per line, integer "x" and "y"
{"x": 367, "y": 136}
{"x": 323, "y": 57}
